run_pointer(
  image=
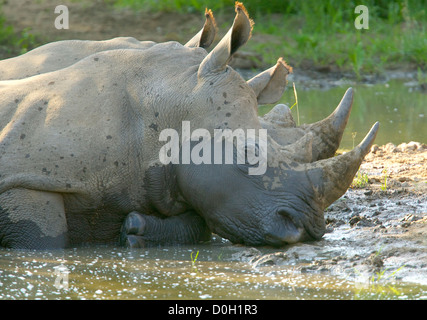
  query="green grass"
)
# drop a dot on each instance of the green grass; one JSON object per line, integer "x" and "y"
{"x": 380, "y": 286}
{"x": 322, "y": 33}
{"x": 12, "y": 43}
{"x": 361, "y": 180}
{"x": 384, "y": 177}
{"x": 307, "y": 34}
{"x": 193, "y": 261}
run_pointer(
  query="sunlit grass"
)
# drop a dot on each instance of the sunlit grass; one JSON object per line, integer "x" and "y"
{"x": 316, "y": 33}
{"x": 360, "y": 180}
{"x": 323, "y": 32}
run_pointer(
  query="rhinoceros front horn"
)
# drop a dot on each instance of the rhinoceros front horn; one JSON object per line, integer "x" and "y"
{"x": 332, "y": 177}
{"x": 206, "y": 35}
{"x": 237, "y": 36}
{"x": 329, "y": 131}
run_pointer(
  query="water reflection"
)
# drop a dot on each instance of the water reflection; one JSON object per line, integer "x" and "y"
{"x": 401, "y": 112}
{"x": 164, "y": 273}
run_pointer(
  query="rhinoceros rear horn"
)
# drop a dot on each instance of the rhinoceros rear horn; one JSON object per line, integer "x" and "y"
{"x": 329, "y": 131}
{"x": 240, "y": 32}
{"x": 336, "y": 174}
{"x": 270, "y": 84}
{"x": 206, "y": 36}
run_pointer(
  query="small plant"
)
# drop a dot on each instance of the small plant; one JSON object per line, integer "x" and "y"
{"x": 353, "y": 136}
{"x": 360, "y": 180}
{"x": 379, "y": 284}
{"x": 384, "y": 176}
{"x": 357, "y": 59}
{"x": 193, "y": 261}
{"x": 296, "y": 102}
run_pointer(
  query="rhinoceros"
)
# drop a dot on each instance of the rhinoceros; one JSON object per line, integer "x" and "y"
{"x": 57, "y": 55}
{"x": 80, "y": 153}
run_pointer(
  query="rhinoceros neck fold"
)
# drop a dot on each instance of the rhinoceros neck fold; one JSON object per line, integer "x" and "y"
{"x": 164, "y": 196}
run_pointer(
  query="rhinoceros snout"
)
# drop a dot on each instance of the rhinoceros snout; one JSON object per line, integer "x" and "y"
{"x": 284, "y": 230}
{"x": 277, "y": 240}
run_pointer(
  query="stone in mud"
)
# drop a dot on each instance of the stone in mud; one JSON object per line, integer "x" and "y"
{"x": 246, "y": 255}
{"x": 361, "y": 221}
{"x": 273, "y": 259}
{"x": 375, "y": 260}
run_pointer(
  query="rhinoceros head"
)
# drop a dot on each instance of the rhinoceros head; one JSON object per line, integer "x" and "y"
{"x": 283, "y": 203}
{"x": 282, "y": 206}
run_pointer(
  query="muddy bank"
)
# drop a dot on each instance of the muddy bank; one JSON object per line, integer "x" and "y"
{"x": 377, "y": 229}
{"x": 309, "y": 78}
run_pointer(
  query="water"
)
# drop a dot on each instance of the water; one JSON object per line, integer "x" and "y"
{"x": 401, "y": 111}
{"x": 170, "y": 273}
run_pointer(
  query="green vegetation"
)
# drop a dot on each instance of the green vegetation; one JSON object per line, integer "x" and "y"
{"x": 193, "y": 261}
{"x": 296, "y": 103}
{"x": 384, "y": 176}
{"x": 308, "y": 34}
{"x": 12, "y": 43}
{"x": 322, "y": 33}
{"x": 360, "y": 180}
{"x": 380, "y": 286}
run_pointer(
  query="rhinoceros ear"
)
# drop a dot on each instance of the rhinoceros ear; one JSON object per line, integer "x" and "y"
{"x": 240, "y": 32}
{"x": 270, "y": 84}
{"x": 206, "y": 36}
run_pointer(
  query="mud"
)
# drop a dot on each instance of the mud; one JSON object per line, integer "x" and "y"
{"x": 377, "y": 230}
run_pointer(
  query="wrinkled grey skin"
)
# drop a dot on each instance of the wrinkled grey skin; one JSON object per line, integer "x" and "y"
{"x": 79, "y": 153}
{"x": 57, "y": 55}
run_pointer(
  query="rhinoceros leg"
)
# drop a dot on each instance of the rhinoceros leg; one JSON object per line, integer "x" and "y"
{"x": 140, "y": 230}
{"x": 31, "y": 219}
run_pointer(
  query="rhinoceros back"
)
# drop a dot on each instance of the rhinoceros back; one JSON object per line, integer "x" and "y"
{"x": 57, "y": 55}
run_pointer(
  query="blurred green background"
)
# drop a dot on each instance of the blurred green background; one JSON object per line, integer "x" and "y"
{"x": 323, "y": 32}
{"x": 305, "y": 32}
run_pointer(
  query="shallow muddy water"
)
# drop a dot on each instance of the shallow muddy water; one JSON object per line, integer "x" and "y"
{"x": 396, "y": 104}
{"x": 219, "y": 272}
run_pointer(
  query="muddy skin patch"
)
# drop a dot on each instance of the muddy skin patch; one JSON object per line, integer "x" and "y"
{"x": 153, "y": 126}
{"x": 25, "y": 234}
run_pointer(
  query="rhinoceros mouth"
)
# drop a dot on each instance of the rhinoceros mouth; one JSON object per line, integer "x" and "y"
{"x": 285, "y": 230}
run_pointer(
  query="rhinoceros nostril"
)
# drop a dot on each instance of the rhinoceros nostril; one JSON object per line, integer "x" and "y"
{"x": 281, "y": 239}
{"x": 284, "y": 231}
{"x": 283, "y": 212}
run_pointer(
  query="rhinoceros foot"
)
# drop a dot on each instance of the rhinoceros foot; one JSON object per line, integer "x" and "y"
{"x": 141, "y": 230}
